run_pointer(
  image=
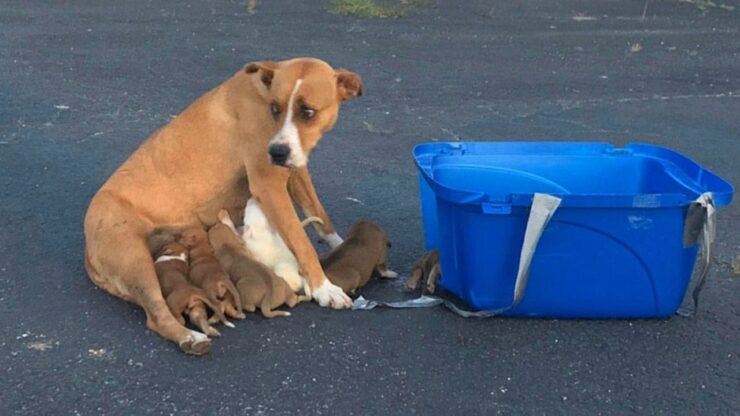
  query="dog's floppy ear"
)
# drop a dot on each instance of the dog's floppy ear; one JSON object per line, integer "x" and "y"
{"x": 264, "y": 69}
{"x": 349, "y": 84}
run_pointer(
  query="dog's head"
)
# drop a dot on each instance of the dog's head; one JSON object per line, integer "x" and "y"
{"x": 302, "y": 97}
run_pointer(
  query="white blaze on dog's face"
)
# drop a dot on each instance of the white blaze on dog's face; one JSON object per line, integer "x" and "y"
{"x": 302, "y": 97}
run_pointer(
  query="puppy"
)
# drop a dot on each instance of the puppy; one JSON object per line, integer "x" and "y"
{"x": 256, "y": 283}
{"x": 182, "y": 297}
{"x": 266, "y": 246}
{"x": 364, "y": 252}
{"x": 207, "y": 273}
{"x": 425, "y": 269}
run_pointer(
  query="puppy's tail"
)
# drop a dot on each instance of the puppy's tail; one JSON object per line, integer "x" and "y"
{"x": 310, "y": 220}
{"x": 267, "y": 311}
{"x": 234, "y": 310}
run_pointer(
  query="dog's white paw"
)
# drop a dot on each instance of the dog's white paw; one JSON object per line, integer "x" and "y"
{"x": 388, "y": 274}
{"x": 196, "y": 343}
{"x": 332, "y": 296}
{"x": 333, "y": 239}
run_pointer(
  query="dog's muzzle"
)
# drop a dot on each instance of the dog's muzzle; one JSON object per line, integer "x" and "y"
{"x": 279, "y": 154}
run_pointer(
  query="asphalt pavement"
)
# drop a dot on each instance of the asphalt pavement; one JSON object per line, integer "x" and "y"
{"x": 84, "y": 82}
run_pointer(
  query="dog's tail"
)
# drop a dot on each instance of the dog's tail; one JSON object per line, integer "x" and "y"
{"x": 310, "y": 220}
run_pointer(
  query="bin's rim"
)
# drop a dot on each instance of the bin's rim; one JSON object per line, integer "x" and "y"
{"x": 675, "y": 164}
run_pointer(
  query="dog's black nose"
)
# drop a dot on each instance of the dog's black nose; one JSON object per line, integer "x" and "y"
{"x": 279, "y": 153}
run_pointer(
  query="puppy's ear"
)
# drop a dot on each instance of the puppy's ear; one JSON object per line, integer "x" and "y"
{"x": 264, "y": 71}
{"x": 349, "y": 85}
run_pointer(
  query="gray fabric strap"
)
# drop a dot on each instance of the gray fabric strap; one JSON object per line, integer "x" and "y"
{"x": 708, "y": 231}
{"x": 543, "y": 208}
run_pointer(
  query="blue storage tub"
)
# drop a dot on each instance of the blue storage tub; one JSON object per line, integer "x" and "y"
{"x": 613, "y": 249}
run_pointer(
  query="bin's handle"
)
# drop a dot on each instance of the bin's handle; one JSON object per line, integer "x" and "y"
{"x": 705, "y": 209}
{"x": 543, "y": 208}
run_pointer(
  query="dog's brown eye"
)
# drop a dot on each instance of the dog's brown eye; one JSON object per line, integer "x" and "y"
{"x": 307, "y": 113}
{"x": 275, "y": 109}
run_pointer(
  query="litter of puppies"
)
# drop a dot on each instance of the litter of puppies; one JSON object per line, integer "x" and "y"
{"x": 209, "y": 276}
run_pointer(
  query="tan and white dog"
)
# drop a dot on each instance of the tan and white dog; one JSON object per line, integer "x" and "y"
{"x": 250, "y": 136}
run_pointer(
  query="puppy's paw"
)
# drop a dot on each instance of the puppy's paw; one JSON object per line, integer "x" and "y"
{"x": 196, "y": 343}
{"x": 333, "y": 239}
{"x": 211, "y": 331}
{"x": 388, "y": 274}
{"x": 330, "y": 295}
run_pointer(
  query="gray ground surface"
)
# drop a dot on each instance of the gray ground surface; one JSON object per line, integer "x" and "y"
{"x": 83, "y": 83}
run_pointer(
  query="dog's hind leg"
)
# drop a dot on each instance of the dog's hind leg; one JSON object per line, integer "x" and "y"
{"x": 232, "y": 301}
{"x": 291, "y": 299}
{"x": 118, "y": 260}
{"x": 177, "y": 301}
{"x": 199, "y": 316}
{"x": 138, "y": 281}
{"x": 416, "y": 275}
{"x": 431, "y": 284}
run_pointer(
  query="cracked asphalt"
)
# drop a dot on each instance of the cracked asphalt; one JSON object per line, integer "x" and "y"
{"x": 84, "y": 82}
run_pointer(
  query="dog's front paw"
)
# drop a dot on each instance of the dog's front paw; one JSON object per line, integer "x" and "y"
{"x": 331, "y": 295}
{"x": 333, "y": 239}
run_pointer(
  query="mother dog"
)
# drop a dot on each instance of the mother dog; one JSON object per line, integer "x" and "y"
{"x": 251, "y": 135}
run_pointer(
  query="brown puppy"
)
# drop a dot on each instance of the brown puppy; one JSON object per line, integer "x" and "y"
{"x": 182, "y": 297}
{"x": 232, "y": 143}
{"x": 207, "y": 273}
{"x": 364, "y": 252}
{"x": 257, "y": 284}
{"x": 425, "y": 270}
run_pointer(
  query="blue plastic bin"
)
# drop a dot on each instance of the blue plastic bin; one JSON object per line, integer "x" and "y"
{"x": 614, "y": 248}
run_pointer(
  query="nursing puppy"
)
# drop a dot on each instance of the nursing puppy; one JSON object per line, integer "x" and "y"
{"x": 183, "y": 298}
{"x": 207, "y": 273}
{"x": 266, "y": 246}
{"x": 364, "y": 252}
{"x": 258, "y": 286}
